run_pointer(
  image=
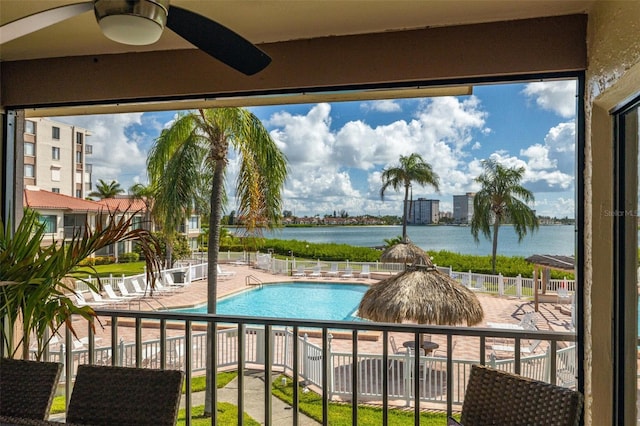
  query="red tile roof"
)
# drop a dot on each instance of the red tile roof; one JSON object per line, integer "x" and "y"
{"x": 40, "y": 199}
{"x": 123, "y": 203}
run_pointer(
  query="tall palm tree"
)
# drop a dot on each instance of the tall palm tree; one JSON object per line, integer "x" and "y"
{"x": 412, "y": 168}
{"x": 193, "y": 152}
{"x": 501, "y": 198}
{"x": 106, "y": 190}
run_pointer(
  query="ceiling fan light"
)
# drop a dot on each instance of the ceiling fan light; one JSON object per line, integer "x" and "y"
{"x": 132, "y": 22}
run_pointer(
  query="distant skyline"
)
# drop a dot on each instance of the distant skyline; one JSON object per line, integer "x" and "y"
{"x": 336, "y": 151}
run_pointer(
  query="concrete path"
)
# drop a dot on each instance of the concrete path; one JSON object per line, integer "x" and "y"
{"x": 282, "y": 414}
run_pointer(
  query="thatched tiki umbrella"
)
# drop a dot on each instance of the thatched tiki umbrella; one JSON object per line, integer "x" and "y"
{"x": 404, "y": 252}
{"x": 421, "y": 294}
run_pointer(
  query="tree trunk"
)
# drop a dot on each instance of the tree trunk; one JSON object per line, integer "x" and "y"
{"x": 404, "y": 214}
{"x": 494, "y": 248}
{"x": 212, "y": 285}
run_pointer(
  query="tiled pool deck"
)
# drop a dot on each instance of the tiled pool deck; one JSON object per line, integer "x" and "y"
{"x": 497, "y": 309}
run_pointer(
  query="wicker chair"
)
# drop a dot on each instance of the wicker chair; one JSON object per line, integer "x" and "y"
{"x": 494, "y": 397}
{"x": 27, "y": 388}
{"x": 106, "y": 395}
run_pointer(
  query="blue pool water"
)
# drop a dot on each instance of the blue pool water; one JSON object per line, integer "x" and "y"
{"x": 302, "y": 300}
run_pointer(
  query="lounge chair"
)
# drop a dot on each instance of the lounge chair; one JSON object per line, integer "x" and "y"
{"x": 137, "y": 288}
{"x": 107, "y": 395}
{"x": 497, "y": 397}
{"x": 224, "y": 274}
{"x": 526, "y": 323}
{"x": 81, "y": 301}
{"x": 316, "y": 272}
{"x": 333, "y": 271}
{"x": 365, "y": 272}
{"x": 28, "y": 388}
{"x": 300, "y": 272}
{"x": 348, "y": 273}
{"x": 98, "y": 298}
{"x": 125, "y": 291}
{"x": 479, "y": 285}
{"x": 524, "y": 350}
{"x": 111, "y": 294}
{"x": 394, "y": 347}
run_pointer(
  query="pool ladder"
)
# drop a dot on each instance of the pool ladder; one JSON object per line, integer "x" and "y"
{"x": 252, "y": 280}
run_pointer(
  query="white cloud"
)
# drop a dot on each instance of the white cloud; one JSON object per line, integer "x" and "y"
{"x": 381, "y": 106}
{"x": 556, "y": 96}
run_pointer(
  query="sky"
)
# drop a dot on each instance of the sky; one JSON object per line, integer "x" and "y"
{"x": 337, "y": 151}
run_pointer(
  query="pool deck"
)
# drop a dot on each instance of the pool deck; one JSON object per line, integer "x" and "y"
{"x": 497, "y": 309}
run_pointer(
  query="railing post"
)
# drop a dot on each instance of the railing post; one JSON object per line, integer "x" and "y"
{"x": 469, "y": 279}
{"x": 500, "y": 285}
{"x": 519, "y": 286}
{"x": 305, "y": 357}
{"x": 260, "y": 342}
{"x": 407, "y": 377}
{"x": 330, "y": 370}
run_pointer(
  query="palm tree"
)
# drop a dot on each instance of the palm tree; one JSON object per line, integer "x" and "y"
{"x": 193, "y": 152}
{"x": 501, "y": 199}
{"x": 106, "y": 190}
{"x": 412, "y": 168}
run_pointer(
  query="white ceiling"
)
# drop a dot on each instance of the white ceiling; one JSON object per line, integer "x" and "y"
{"x": 263, "y": 21}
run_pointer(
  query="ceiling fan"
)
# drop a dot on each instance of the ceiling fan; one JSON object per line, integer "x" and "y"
{"x": 140, "y": 22}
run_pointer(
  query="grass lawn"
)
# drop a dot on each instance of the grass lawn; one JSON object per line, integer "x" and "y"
{"x": 227, "y": 415}
{"x": 117, "y": 269}
{"x": 340, "y": 414}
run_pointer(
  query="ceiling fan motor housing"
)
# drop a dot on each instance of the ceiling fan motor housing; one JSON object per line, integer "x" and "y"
{"x": 134, "y": 22}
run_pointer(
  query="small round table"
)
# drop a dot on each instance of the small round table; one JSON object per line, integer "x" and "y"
{"x": 428, "y": 346}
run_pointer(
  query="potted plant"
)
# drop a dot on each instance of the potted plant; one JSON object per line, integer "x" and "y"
{"x": 36, "y": 281}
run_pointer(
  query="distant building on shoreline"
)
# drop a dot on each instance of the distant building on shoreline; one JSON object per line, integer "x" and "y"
{"x": 463, "y": 208}
{"x": 423, "y": 212}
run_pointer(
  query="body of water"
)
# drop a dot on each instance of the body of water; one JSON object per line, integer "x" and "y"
{"x": 553, "y": 239}
{"x": 301, "y": 300}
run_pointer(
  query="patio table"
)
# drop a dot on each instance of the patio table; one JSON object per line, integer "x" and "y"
{"x": 428, "y": 346}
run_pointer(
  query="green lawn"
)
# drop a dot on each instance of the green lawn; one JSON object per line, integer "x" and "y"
{"x": 117, "y": 269}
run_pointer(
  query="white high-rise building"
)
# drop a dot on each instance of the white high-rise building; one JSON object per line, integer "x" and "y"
{"x": 463, "y": 208}
{"x": 55, "y": 157}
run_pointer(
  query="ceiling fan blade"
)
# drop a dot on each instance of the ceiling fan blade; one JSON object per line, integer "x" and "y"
{"x": 40, "y": 20}
{"x": 217, "y": 40}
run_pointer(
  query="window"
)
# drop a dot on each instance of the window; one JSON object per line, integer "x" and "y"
{"x": 30, "y": 127}
{"x": 55, "y": 174}
{"x": 136, "y": 222}
{"x": 29, "y": 172}
{"x": 55, "y": 132}
{"x": 78, "y": 193}
{"x": 193, "y": 222}
{"x": 56, "y": 190}
{"x": 50, "y": 223}
{"x": 55, "y": 153}
{"x": 79, "y": 157}
{"x": 79, "y": 138}
{"x": 29, "y": 149}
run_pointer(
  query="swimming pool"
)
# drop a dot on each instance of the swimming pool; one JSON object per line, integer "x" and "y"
{"x": 301, "y": 300}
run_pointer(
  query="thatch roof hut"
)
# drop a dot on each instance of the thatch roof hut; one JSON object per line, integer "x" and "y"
{"x": 421, "y": 294}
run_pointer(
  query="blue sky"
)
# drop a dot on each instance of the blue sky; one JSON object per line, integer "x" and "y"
{"x": 337, "y": 151}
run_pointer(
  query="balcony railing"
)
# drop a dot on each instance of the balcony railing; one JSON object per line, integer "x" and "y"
{"x": 307, "y": 352}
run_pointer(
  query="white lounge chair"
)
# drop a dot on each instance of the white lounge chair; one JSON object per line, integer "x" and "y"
{"x": 316, "y": 272}
{"x": 479, "y": 285}
{"x": 348, "y": 273}
{"x": 333, "y": 271}
{"x": 99, "y": 298}
{"x": 111, "y": 294}
{"x": 125, "y": 291}
{"x": 365, "y": 272}
{"x": 81, "y": 301}
{"x": 524, "y": 350}
{"x": 527, "y": 322}
{"x": 137, "y": 288}
{"x": 300, "y": 272}
{"x": 224, "y": 274}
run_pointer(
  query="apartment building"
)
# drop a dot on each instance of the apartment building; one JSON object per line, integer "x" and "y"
{"x": 463, "y": 208}
{"x": 55, "y": 157}
{"x": 423, "y": 211}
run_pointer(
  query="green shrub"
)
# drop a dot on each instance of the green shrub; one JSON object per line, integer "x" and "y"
{"x": 128, "y": 257}
{"x": 104, "y": 260}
